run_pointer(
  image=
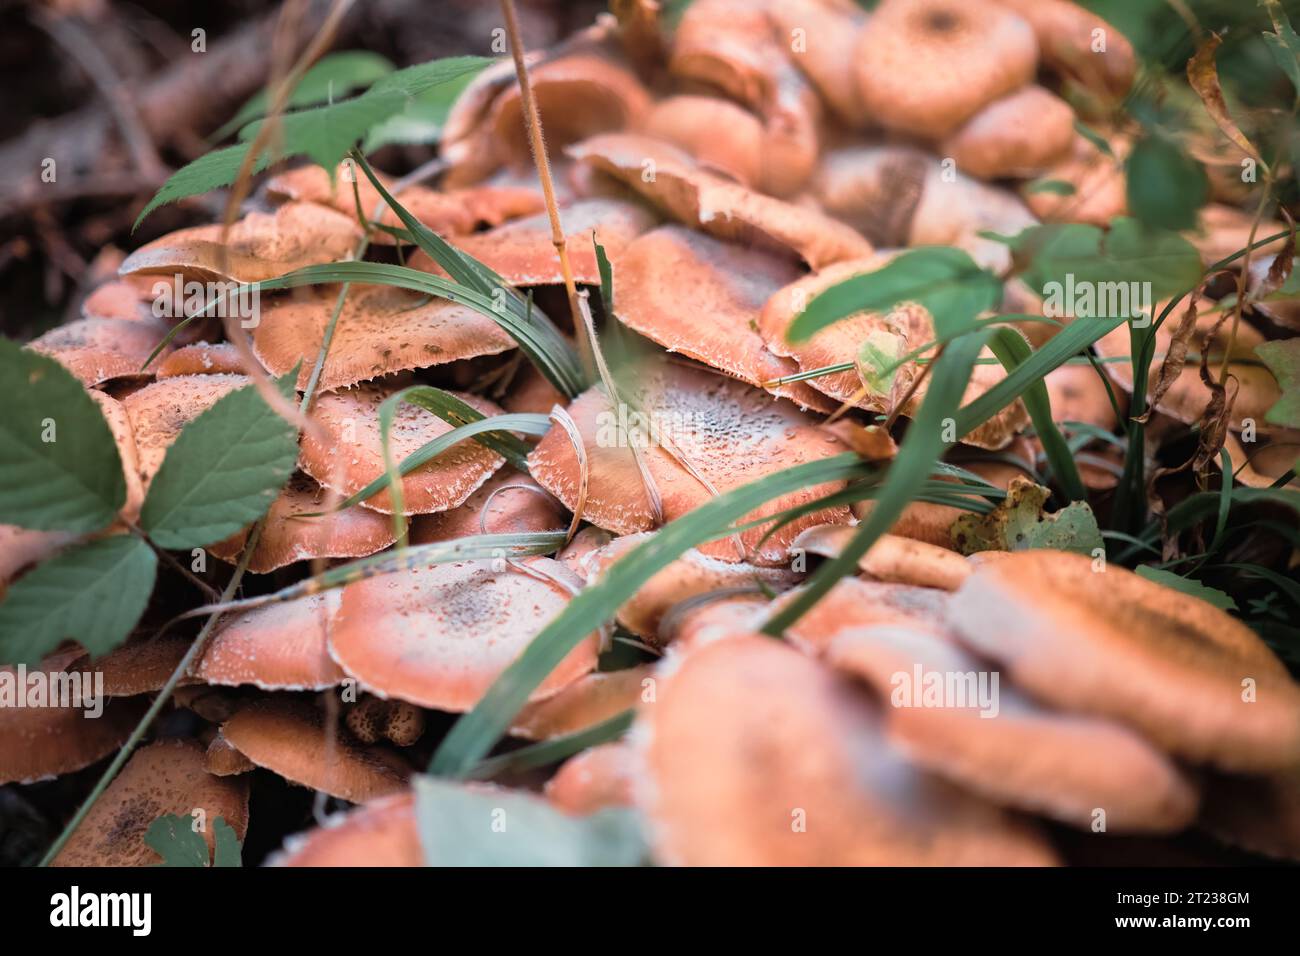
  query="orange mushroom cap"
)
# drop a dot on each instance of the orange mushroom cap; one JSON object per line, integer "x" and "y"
{"x": 281, "y": 646}
{"x": 158, "y": 412}
{"x": 594, "y": 780}
{"x": 507, "y": 503}
{"x": 589, "y": 700}
{"x": 382, "y": 833}
{"x": 1020, "y": 134}
{"x": 101, "y": 350}
{"x": 202, "y": 358}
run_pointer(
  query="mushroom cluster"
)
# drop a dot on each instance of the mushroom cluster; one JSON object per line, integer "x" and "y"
{"x": 934, "y": 709}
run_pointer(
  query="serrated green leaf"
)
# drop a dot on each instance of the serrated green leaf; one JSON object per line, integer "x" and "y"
{"x": 222, "y": 472}
{"x": 1020, "y": 523}
{"x": 93, "y": 594}
{"x": 1284, "y": 45}
{"x": 422, "y": 119}
{"x": 324, "y": 133}
{"x": 333, "y": 77}
{"x": 1283, "y": 360}
{"x": 1188, "y": 586}
{"x": 944, "y": 280}
{"x": 73, "y": 482}
{"x": 174, "y": 838}
{"x": 488, "y": 826}
{"x": 1165, "y": 186}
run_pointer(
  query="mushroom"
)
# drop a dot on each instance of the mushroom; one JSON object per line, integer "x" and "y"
{"x": 119, "y": 423}
{"x": 853, "y": 603}
{"x": 223, "y": 760}
{"x": 822, "y": 37}
{"x": 137, "y": 667}
{"x": 927, "y": 66}
{"x": 395, "y": 720}
{"x": 166, "y": 777}
{"x": 594, "y": 780}
{"x": 439, "y": 636}
{"x": 591, "y": 699}
{"x": 351, "y": 420}
{"x": 728, "y": 433}
{"x": 1004, "y": 746}
{"x": 893, "y": 559}
{"x": 102, "y": 350}
{"x": 1020, "y": 135}
{"x": 754, "y": 755}
{"x": 1098, "y": 187}
{"x": 288, "y": 537}
{"x": 1112, "y": 644}
{"x": 202, "y": 358}
{"x": 1079, "y": 45}
{"x": 381, "y": 833}
{"x": 280, "y": 646}
{"x": 719, "y": 134}
{"x": 1223, "y": 231}
{"x": 581, "y": 550}
{"x": 259, "y": 246}
{"x": 1284, "y": 312}
{"x": 507, "y": 503}
{"x": 20, "y": 548}
{"x": 159, "y": 411}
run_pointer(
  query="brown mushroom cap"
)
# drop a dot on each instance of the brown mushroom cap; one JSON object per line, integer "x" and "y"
{"x": 671, "y": 180}
{"x": 22, "y": 547}
{"x": 1262, "y": 463}
{"x": 524, "y": 254}
{"x": 100, "y": 350}
{"x": 720, "y": 134}
{"x": 128, "y": 299}
{"x": 278, "y": 646}
{"x": 730, "y": 433}
{"x": 589, "y": 700}
{"x": 37, "y": 743}
{"x": 1115, "y": 645}
{"x": 507, "y": 503}
{"x": 1099, "y": 185}
{"x": 892, "y": 558}
{"x": 119, "y": 423}
{"x": 380, "y": 330}
{"x": 1067, "y": 40}
{"x": 382, "y": 833}
{"x": 351, "y": 417}
{"x": 223, "y": 760}
{"x": 1224, "y": 230}
{"x": 288, "y": 736}
{"x": 259, "y": 246}
{"x": 1020, "y": 135}
{"x": 159, "y": 411}
{"x": 756, "y": 755}
{"x": 163, "y": 778}
{"x": 351, "y": 533}
{"x": 137, "y": 667}
{"x": 594, "y": 780}
{"x": 1006, "y": 747}
{"x": 1078, "y": 394}
{"x": 830, "y": 31}
{"x": 729, "y": 283}
{"x": 690, "y": 575}
{"x": 856, "y": 604}
{"x": 439, "y": 636}
{"x": 202, "y": 358}
{"x": 926, "y": 66}
{"x": 1260, "y": 814}
{"x": 580, "y": 552}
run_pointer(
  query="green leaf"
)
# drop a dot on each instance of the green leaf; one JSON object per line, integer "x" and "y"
{"x": 1019, "y": 523}
{"x": 324, "y": 133}
{"x": 1054, "y": 187}
{"x": 1076, "y": 256}
{"x": 333, "y": 77}
{"x": 1165, "y": 186}
{"x": 71, "y": 482}
{"x": 1283, "y": 360}
{"x": 421, "y": 121}
{"x": 93, "y": 594}
{"x": 222, "y": 472}
{"x": 488, "y": 826}
{"x": 546, "y": 752}
{"x": 1092, "y": 136}
{"x": 878, "y": 360}
{"x": 1188, "y": 586}
{"x": 1283, "y": 44}
{"x": 944, "y": 280}
{"x": 174, "y": 838}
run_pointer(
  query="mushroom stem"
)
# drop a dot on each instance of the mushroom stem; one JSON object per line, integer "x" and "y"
{"x": 533, "y": 123}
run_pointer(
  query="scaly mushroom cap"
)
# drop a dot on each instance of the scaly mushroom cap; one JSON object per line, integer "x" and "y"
{"x": 673, "y": 265}
{"x": 381, "y": 330}
{"x": 159, "y": 412}
{"x": 507, "y": 503}
{"x": 280, "y": 646}
{"x": 119, "y": 423}
{"x": 202, "y": 358}
{"x": 594, "y": 780}
{"x": 755, "y": 755}
{"x": 927, "y": 66}
{"x": 163, "y": 778}
{"x": 671, "y": 180}
{"x": 100, "y": 350}
{"x": 718, "y": 133}
{"x": 451, "y": 213}
{"x": 1260, "y": 814}
{"x": 589, "y": 700}
{"x": 1019, "y": 135}
{"x": 1068, "y": 39}
{"x": 439, "y": 636}
{"x": 690, "y": 575}
{"x": 1100, "y": 188}
{"x": 382, "y": 833}
{"x": 288, "y": 736}
{"x": 1256, "y": 392}
{"x": 1182, "y": 672}
{"x": 1007, "y": 748}
{"x": 892, "y": 559}
{"x": 354, "y": 532}
{"x": 523, "y": 253}
{"x": 259, "y": 246}
{"x": 137, "y": 667}
{"x": 580, "y": 552}
{"x": 855, "y": 604}
{"x": 37, "y": 743}
{"x": 351, "y": 417}
{"x": 729, "y": 433}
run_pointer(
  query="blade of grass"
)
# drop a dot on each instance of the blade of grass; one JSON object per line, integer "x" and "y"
{"x": 554, "y": 750}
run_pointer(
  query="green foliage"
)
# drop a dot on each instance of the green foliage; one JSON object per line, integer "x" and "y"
{"x": 1283, "y": 43}
{"x": 1165, "y": 186}
{"x": 1188, "y": 586}
{"x": 222, "y": 472}
{"x": 422, "y": 119}
{"x": 93, "y": 594}
{"x": 1283, "y": 360}
{"x": 323, "y": 133}
{"x": 1019, "y": 523}
{"x": 59, "y": 465}
{"x": 944, "y": 280}
{"x": 463, "y": 826}
{"x": 174, "y": 839}
{"x": 1054, "y": 187}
